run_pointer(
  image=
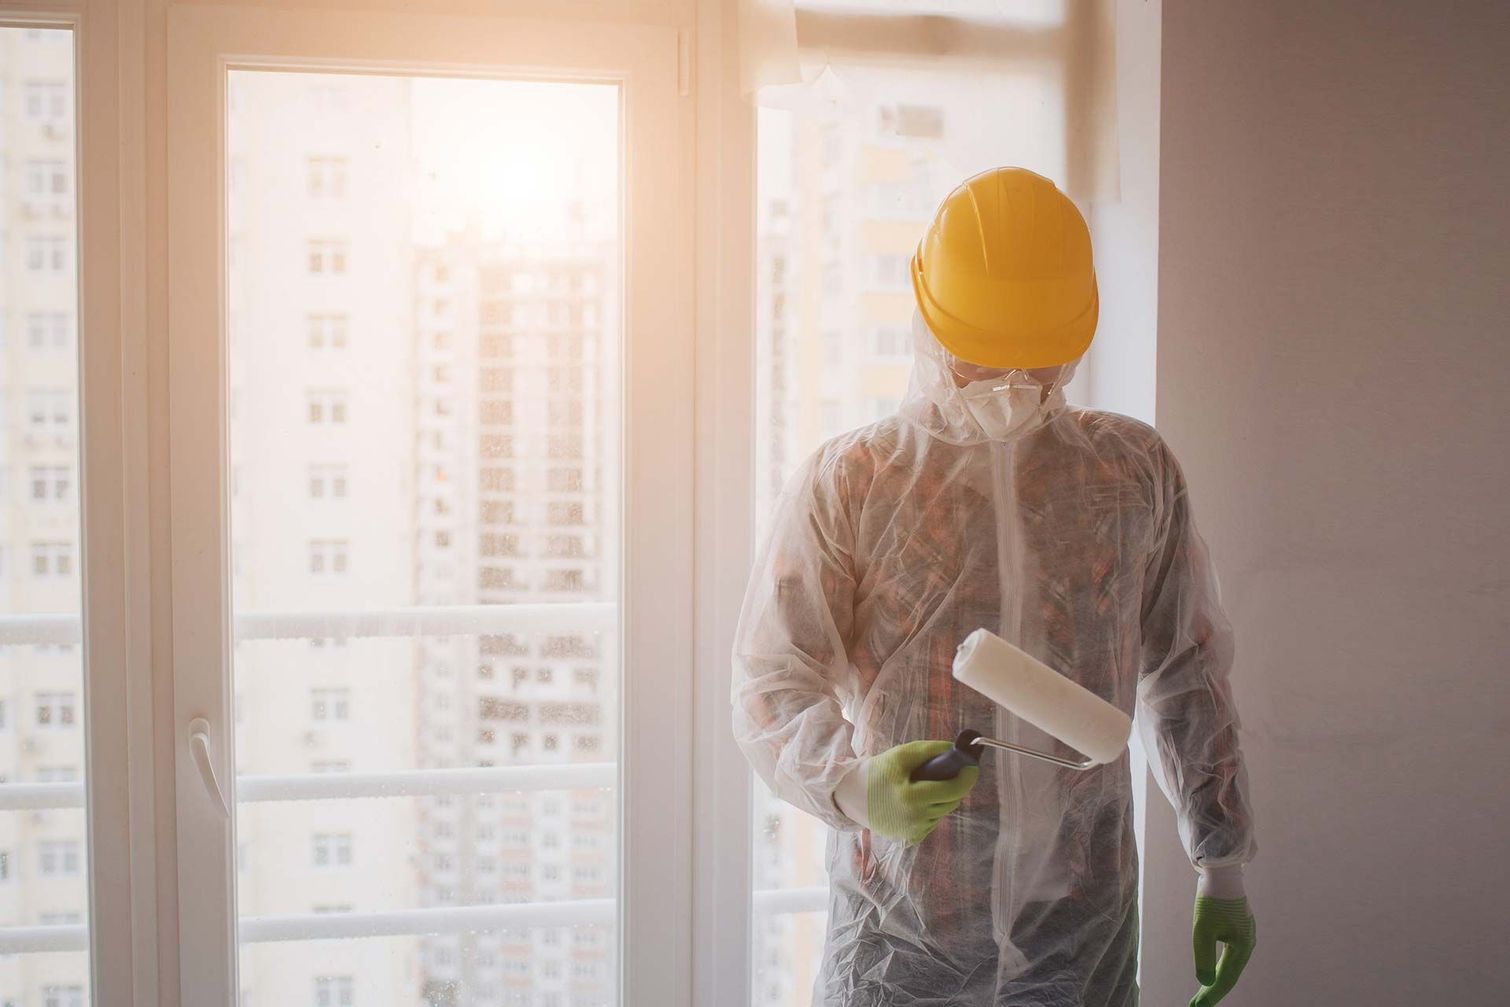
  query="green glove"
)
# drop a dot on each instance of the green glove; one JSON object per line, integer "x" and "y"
{"x": 900, "y": 809}
{"x": 1229, "y": 921}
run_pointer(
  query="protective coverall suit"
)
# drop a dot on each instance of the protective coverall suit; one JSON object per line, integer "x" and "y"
{"x": 1067, "y": 531}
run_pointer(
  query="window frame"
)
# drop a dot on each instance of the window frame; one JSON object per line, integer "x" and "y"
{"x": 654, "y": 929}
{"x": 114, "y": 616}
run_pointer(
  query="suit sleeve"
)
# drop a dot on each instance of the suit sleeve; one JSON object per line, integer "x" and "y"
{"x": 790, "y": 653}
{"x": 1186, "y": 713}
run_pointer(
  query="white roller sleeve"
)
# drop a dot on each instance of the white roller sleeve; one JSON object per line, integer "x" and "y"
{"x": 1040, "y": 695}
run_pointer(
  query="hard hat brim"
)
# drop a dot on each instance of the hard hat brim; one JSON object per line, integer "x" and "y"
{"x": 1006, "y": 347}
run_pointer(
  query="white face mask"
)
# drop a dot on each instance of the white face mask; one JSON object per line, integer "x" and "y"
{"x": 970, "y": 402}
{"x": 1003, "y": 405}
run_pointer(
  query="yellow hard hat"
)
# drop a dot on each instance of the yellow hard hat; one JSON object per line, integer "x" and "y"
{"x": 1003, "y": 277}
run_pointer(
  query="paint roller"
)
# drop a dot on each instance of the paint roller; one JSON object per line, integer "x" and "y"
{"x": 1039, "y": 695}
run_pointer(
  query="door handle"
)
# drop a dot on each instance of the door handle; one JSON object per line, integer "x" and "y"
{"x": 199, "y": 747}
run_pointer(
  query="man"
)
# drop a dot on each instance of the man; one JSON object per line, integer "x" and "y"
{"x": 988, "y": 501}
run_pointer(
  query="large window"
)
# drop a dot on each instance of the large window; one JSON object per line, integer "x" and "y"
{"x": 419, "y": 672}
{"x": 441, "y": 215}
{"x": 43, "y": 894}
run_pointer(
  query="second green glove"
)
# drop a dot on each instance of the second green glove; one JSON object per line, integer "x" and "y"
{"x": 1221, "y": 921}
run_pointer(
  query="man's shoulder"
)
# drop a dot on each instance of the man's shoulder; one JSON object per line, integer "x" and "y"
{"x": 855, "y": 456}
{"x": 863, "y": 444}
{"x": 1107, "y": 429}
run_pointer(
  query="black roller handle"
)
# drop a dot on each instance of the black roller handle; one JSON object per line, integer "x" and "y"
{"x": 966, "y": 752}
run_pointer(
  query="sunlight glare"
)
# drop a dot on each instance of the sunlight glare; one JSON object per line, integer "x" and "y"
{"x": 515, "y": 159}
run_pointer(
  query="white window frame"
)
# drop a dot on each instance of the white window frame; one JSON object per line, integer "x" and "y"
{"x": 654, "y": 926}
{"x": 110, "y": 44}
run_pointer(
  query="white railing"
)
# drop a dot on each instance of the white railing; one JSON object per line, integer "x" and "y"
{"x": 455, "y": 620}
{"x": 348, "y": 786}
{"x": 786, "y": 901}
{"x": 432, "y": 620}
{"x": 425, "y": 782}
{"x": 39, "y": 629}
{"x": 441, "y": 620}
{"x": 411, "y": 922}
{"x": 40, "y": 796}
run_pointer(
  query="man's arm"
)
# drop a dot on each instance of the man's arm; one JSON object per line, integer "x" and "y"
{"x": 1186, "y": 713}
{"x": 790, "y": 648}
{"x": 1190, "y": 732}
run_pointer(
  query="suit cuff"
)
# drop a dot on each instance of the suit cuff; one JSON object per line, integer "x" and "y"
{"x": 849, "y": 796}
{"x": 1220, "y": 883}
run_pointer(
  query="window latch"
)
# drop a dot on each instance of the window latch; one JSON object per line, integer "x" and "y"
{"x": 199, "y": 746}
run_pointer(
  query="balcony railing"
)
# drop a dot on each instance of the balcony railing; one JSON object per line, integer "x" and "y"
{"x": 436, "y": 620}
{"x": 411, "y": 922}
{"x": 456, "y": 620}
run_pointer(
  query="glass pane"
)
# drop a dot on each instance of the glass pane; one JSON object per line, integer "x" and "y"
{"x": 43, "y": 848}
{"x": 787, "y": 953}
{"x": 424, "y": 373}
{"x": 850, "y": 170}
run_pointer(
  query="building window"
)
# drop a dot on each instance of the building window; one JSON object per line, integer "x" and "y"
{"x": 573, "y": 581}
{"x": 326, "y": 406}
{"x": 56, "y": 709}
{"x": 327, "y": 482}
{"x": 496, "y": 512}
{"x": 921, "y": 121}
{"x": 46, "y": 252}
{"x": 46, "y": 179}
{"x": 49, "y": 408}
{"x": 559, "y": 512}
{"x": 564, "y": 480}
{"x": 334, "y": 991}
{"x": 496, "y": 479}
{"x": 565, "y": 412}
{"x": 58, "y": 858}
{"x": 50, "y": 483}
{"x": 564, "y": 447}
{"x": 326, "y": 330}
{"x": 327, "y": 256}
{"x": 891, "y": 271}
{"x": 330, "y": 704}
{"x": 46, "y": 100}
{"x": 48, "y": 330}
{"x": 331, "y": 849}
{"x": 891, "y": 341}
{"x": 57, "y": 774}
{"x": 328, "y": 557}
{"x": 327, "y": 177}
{"x": 51, "y": 559}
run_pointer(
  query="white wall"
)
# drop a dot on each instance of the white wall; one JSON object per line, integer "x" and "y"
{"x": 1332, "y": 359}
